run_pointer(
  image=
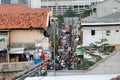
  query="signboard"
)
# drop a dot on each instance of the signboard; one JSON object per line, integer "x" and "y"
{"x": 16, "y": 51}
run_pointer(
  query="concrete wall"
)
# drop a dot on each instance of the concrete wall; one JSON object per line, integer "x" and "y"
{"x": 35, "y": 4}
{"x": 27, "y": 37}
{"x": 14, "y": 1}
{"x": 107, "y": 7}
{"x": 109, "y": 65}
{"x": 100, "y": 33}
{"x": 15, "y": 66}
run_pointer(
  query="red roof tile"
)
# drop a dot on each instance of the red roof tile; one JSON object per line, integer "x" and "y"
{"x": 42, "y": 9}
{"x": 19, "y": 16}
{"x": 14, "y": 8}
{"x": 14, "y": 21}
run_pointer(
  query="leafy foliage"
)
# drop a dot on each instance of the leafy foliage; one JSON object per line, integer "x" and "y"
{"x": 85, "y": 64}
{"x": 70, "y": 13}
{"x": 86, "y": 13}
{"x": 101, "y": 46}
{"x": 60, "y": 19}
{"x": 56, "y": 43}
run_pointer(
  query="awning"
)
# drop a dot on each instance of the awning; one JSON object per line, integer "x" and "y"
{"x": 16, "y": 51}
{"x": 46, "y": 51}
{"x": 79, "y": 51}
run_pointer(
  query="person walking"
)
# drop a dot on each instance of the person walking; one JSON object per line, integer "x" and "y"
{"x": 42, "y": 56}
{"x": 43, "y": 71}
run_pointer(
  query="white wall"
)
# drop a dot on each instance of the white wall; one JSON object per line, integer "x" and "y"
{"x": 35, "y": 4}
{"x": 87, "y": 38}
{"x": 14, "y": 1}
{"x": 113, "y": 38}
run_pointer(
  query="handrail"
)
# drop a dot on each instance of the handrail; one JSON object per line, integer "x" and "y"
{"x": 26, "y": 73}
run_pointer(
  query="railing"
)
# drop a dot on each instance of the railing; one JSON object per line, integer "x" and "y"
{"x": 27, "y": 73}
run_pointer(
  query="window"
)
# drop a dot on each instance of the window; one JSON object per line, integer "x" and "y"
{"x": 3, "y": 33}
{"x": 117, "y": 30}
{"x": 95, "y": 10}
{"x": 115, "y": 9}
{"x": 5, "y": 1}
{"x": 92, "y": 32}
{"x": 107, "y": 32}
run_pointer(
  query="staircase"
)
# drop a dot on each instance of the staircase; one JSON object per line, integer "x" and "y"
{"x": 108, "y": 65}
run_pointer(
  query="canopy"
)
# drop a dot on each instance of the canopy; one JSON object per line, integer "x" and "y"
{"x": 16, "y": 51}
{"x": 79, "y": 51}
{"x": 46, "y": 51}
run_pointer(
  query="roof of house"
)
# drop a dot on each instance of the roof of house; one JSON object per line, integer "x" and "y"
{"x": 42, "y": 9}
{"x": 14, "y": 8}
{"x": 19, "y": 16}
{"x": 114, "y": 17}
{"x": 106, "y": 1}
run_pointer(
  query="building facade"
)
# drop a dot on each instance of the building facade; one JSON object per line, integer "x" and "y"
{"x": 13, "y": 1}
{"x": 22, "y": 28}
{"x": 104, "y": 23}
{"x": 58, "y": 6}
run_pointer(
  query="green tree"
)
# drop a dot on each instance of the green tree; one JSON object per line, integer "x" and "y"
{"x": 60, "y": 20}
{"x": 70, "y": 13}
{"x": 56, "y": 43}
{"x": 86, "y": 12}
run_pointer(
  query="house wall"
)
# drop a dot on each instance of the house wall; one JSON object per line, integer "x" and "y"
{"x": 4, "y": 40}
{"x": 27, "y": 38}
{"x": 88, "y": 38}
{"x": 113, "y": 38}
{"x": 107, "y": 7}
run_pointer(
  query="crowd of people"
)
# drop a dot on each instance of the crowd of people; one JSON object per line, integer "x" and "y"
{"x": 65, "y": 59}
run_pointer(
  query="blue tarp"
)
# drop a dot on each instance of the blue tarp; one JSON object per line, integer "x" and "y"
{"x": 36, "y": 58}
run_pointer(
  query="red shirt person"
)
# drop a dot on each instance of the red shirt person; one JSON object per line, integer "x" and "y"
{"x": 42, "y": 67}
{"x": 43, "y": 56}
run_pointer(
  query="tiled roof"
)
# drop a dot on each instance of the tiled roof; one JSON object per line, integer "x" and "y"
{"x": 19, "y": 16}
{"x": 114, "y": 17}
{"x": 14, "y": 8}
{"x": 13, "y": 21}
{"x": 42, "y": 9}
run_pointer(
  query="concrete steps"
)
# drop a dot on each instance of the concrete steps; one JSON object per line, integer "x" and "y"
{"x": 108, "y": 65}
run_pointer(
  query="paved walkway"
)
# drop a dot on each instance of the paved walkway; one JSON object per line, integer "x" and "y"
{"x": 109, "y": 65}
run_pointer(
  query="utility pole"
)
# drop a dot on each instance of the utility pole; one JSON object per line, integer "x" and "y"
{"x": 54, "y": 35}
